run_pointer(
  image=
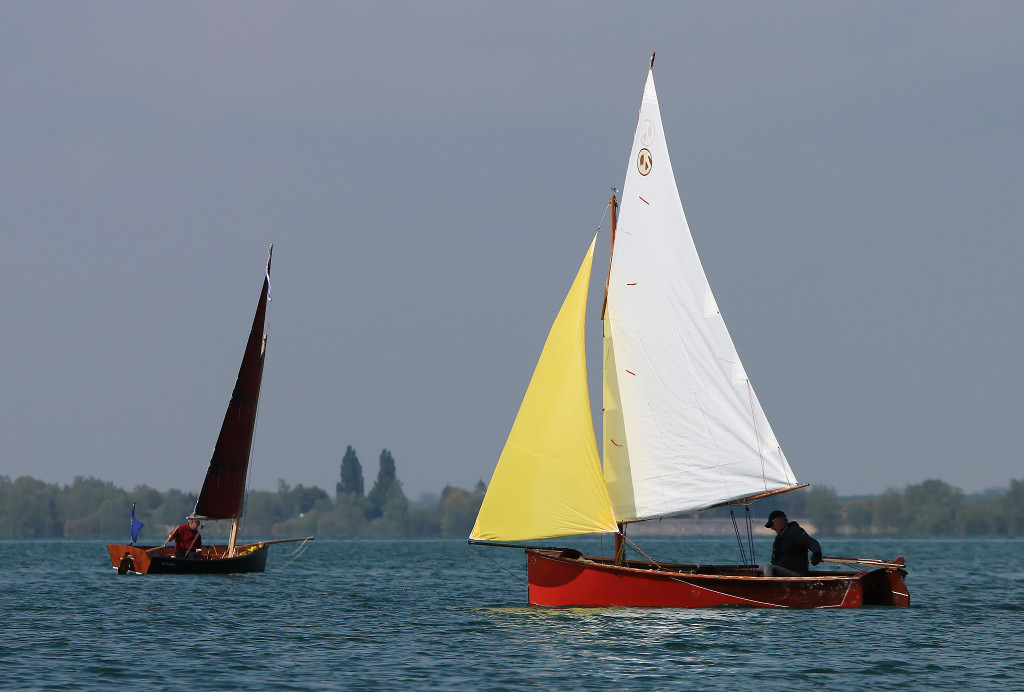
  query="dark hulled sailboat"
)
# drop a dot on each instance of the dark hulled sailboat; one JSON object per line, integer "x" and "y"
{"x": 224, "y": 488}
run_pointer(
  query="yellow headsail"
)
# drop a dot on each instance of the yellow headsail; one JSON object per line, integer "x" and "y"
{"x": 548, "y": 480}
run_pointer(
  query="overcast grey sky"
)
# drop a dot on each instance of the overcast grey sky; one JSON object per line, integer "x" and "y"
{"x": 430, "y": 175}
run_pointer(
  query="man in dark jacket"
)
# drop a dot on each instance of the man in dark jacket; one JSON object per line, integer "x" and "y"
{"x": 789, "y": 552}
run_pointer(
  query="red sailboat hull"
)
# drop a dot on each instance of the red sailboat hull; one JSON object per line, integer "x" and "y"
{"x": 560, "y": 580}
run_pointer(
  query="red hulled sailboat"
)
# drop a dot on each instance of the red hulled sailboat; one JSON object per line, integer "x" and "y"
{"x": 683, "y": 429}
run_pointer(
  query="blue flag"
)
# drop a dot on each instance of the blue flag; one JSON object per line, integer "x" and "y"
{"x": 136, "y": 526}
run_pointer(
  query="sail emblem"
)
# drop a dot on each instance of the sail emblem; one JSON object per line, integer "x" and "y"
{"x": 647, "y": 133}
{"x": 644, "y": 163}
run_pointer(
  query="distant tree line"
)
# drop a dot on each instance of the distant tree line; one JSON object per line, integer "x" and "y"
{"x": 90, "y": 507}
{"x": 931, "y": 508}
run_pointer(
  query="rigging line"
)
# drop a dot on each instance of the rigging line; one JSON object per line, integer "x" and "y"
{"x": 750, "y": 533}
{"x": 603, "y": 216}
{"x": 739, "y": 541}
{"x": 637, "y": 549}
{"x": 514, "y": 576}
{"x": 303, "y": 547}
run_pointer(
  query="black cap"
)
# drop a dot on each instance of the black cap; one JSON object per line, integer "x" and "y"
{"x": 773, "y": 516}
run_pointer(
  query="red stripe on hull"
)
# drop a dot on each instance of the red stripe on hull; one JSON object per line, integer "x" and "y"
{"x": 563, "y": 581}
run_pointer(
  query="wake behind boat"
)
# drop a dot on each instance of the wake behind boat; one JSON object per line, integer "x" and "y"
{"x": 224, "y": 488}
{"x": 683, "y": 429}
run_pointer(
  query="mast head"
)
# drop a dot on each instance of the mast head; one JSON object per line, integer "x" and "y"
{"x": 652, "y": 60}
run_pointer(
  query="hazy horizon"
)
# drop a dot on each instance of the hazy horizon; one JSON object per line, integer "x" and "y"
{"x": 431, "y": 174}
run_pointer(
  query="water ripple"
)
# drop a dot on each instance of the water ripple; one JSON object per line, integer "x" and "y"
{"x": 434, "y": 614}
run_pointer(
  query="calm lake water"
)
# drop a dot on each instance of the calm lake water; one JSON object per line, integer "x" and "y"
{"x": 442, "y": 615}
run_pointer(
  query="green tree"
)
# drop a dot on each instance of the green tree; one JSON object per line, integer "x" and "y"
{"x": 888, "y": 516}
{"x": 302, "y": 525}
{"x": 794, "y": 503}
{"x": 264, "y": 509}
{"x": 396, "y": 505}
{"x": 111, "y": 518}
{"x": 299, "y": 500}
{"x": 458, "y": 511}
{"x": 858, "y": 515}
{"x": 347, "y": 519}
{"x": 980, "y": 519}
{"x": 94, "y": 508}
{"x": 172, "y": 511}
{"x": 6, "y": 494}
{"x": 424, "y": 521}
{"x": 930, "y": 508}
{"x": 351, "y": 474}
{"x": 85, "y": 495}
{"x": 146, "y": 499}
{"x": 313, "y": 499}
{"x": 30, "y": 509}
{"x": 1013, "y": 508}
{"x": 823, "y": 509}
{"x": 386, "y": 498}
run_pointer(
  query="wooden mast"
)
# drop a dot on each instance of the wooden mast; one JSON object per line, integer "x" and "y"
{"x": 620, "y": 547}
{"x": 234, "y": 534}
{"x": 611, "y": 251}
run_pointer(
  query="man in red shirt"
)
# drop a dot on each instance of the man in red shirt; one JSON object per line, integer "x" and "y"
{"x": 187, "y": 540}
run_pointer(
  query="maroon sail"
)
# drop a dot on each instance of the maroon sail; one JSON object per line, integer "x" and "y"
{"x": 221, "y": 497}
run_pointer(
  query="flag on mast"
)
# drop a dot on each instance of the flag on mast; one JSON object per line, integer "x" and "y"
{"x": 136, "y": 526}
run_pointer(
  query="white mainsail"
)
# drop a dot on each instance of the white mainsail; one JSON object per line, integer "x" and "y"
{"x": 683, "y": 427}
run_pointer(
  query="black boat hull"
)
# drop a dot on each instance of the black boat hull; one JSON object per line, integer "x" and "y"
{"x": 141, "y": 560}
